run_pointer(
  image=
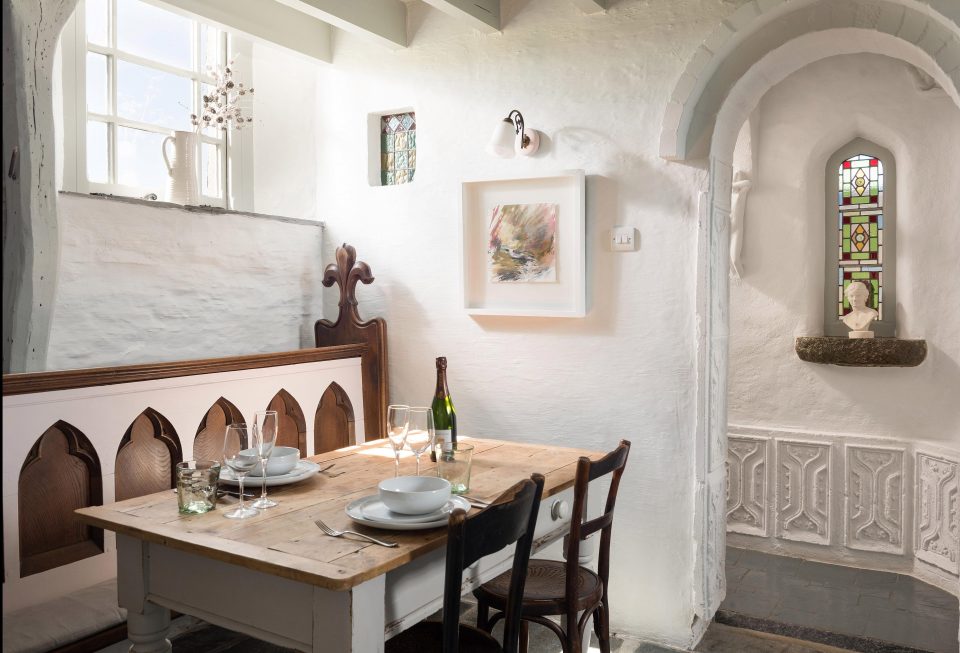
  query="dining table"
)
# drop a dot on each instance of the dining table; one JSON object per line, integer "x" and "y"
{"x": 279, "y": 578}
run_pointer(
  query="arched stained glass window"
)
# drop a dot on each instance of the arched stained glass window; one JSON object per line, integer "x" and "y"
{"x": 860, "y": 233}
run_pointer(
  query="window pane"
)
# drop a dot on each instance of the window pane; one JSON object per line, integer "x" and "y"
{"x": 98, "y": 22}
{"x": 154, "y": 33}
{"x": 97, "y": 169}
{"x": 97, "y": 83}
{"x": 140, "y": 160}
{"x": 153, "y": 96}
{"x": 210, "y": 171}
{"x": 211, "y": 51}
{"x": 860, "y": 230}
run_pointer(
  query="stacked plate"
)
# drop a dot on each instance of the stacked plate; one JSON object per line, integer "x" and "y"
{"x": 372, "y": 512}
{"x": 304, "y": 469}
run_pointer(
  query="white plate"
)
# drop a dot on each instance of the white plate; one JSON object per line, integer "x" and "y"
{"x": 304, "y": 469}
{"x": 366, "y": 511}
{"x": 376, "y": 510}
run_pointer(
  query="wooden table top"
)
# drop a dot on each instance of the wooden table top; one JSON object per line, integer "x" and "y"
{"x": 284, "y": 541}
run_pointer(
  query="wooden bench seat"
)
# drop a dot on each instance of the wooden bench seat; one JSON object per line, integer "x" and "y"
{"x": 54, "y": 625}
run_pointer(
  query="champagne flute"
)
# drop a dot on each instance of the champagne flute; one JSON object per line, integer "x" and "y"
{"x": 397, "y": 431}
{"x": 241, "y": 460}
{"x": 420, "y": 432}
{"x": 265, "y": 425}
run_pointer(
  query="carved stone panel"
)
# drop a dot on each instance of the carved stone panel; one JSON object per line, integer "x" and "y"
{"x": 716, "y": 581}
{"x": 746, "y": 507}
{"x": 147, "y": 457}
{"x": 938, "y": 511}
{"x": 803, "y": 491}
{"x": 873, "y": 479}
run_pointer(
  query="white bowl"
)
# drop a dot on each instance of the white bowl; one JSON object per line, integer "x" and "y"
{"x": 282, "y": 461}
{"x": 414, "y": 495}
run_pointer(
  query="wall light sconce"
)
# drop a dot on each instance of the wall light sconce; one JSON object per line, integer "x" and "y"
{"x": 510, "y": 137}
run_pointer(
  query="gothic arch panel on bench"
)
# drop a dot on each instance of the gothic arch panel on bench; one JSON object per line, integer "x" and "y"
{"x": 208, "y": 444}
{"x": 333, "y": 426}
{"x": 60, "y": 474}
{"x": 147, "y": 456}
{"x": 291, "y": 425}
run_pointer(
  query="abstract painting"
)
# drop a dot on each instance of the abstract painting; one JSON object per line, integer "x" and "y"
{"x": 523, "y": 243}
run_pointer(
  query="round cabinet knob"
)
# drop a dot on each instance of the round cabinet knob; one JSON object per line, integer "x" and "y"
{"x": 559, "y": 510}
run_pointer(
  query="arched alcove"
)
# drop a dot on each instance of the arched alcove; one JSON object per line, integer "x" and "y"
{"x": 147, "y": 456}
{"x": 60, "y": 474}
{"x": 208, "y": 443}
{"x": 291, "y": 425}
{"x": 751, "y": 51}
{"x": 333, "y": 426}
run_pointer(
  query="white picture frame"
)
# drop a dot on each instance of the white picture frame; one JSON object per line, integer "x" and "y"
{"x": 563, "y": 297}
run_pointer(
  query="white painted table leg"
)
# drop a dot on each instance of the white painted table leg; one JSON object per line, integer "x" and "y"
{"x": 359, "y": 618}
{"x": 148, "y": 631}
{"x": 147, "y": 623}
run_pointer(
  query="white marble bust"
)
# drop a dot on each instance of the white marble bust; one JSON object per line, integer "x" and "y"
{"x": 861, "y": 316}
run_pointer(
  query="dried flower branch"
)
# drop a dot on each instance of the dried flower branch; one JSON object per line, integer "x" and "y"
{"x": 221, "y": 106}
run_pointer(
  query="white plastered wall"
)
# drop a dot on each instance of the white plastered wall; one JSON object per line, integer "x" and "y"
{"x": 722, "y": 83}
{"x": 802, "y": 121}
{"x": 144, "y": 283}
{"x": 864, "y": 424}
{"x": 594, "y": 86}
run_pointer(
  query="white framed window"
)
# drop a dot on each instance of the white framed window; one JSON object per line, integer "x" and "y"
{"x": 133, "y": 73}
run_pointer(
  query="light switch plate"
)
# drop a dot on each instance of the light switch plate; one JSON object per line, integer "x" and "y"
{"x": 623, "y": 239}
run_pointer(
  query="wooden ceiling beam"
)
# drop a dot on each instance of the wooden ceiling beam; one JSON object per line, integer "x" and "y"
{"x": 382, "y": 21}
{"x": 591, "y": 6}
{"x": 265, "y": 20}
{"x": 483, "y": 15}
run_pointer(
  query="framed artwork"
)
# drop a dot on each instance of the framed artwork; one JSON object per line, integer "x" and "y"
{"x": 522, "y": 243}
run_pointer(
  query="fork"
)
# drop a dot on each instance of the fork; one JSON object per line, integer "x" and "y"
{"x": 323, "y": 470}
{"x": 335, "y": 533}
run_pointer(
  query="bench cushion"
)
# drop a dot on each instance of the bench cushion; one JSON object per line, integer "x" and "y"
{"x": 63, "y": 620}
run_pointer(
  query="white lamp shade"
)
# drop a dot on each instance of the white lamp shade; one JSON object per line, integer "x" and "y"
{"x": 503, "y": 141}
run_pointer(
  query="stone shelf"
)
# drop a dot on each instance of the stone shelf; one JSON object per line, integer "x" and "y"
{"x": 850, "y": 352}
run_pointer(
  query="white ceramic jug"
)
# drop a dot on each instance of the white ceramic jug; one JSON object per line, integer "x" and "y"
{"x": 183, "y": 172}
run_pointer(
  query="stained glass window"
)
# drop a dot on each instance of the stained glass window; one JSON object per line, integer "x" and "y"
{"x": 398, "y": 148}
{"x": 860, "y": 229}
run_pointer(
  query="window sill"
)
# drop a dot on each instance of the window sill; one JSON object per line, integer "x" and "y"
{"x": 207, "y": 210}
{"x": 851, "y": 352}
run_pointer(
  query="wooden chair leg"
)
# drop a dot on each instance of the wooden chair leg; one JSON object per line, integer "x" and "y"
{"x": 601, "y": 626}
{"x": 524, "y": 635}
{"x": 574, "y": 639}
{"x": 483, "y": 616}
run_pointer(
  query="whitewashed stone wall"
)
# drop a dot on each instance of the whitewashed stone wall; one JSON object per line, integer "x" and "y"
{"x": 884, "y": 494}
{"x": 802, "y": 121}
{"x": 855, "y": 500}
{"x": 141, "y": 283}
{"x": 595, "y": 85}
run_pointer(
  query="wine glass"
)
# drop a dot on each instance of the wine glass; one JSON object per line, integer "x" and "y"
{"x": 241, "y": 460}
{"x": 420, "y": 432}
{"x": 265, "y": 425}
{"x": 397, "y": 431}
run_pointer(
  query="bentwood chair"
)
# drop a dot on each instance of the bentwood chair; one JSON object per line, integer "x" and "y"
{"x": 565, "y": 588}
{"x": 511, "y": 518}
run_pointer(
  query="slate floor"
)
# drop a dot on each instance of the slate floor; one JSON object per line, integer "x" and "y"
{"x": 858, "y": 602}
{"x": 893, "y": 611}
{"x": 190, "y": 635}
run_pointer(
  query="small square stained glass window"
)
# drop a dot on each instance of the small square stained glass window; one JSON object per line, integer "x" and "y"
{"x": 398, "y": 148}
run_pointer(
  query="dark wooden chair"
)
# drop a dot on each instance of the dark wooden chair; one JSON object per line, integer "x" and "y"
{"x": 511, "y": 518}
{"x": 564, "y": 587}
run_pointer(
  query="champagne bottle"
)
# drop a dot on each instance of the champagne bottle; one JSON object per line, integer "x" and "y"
{"x": 444, "y": 416}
